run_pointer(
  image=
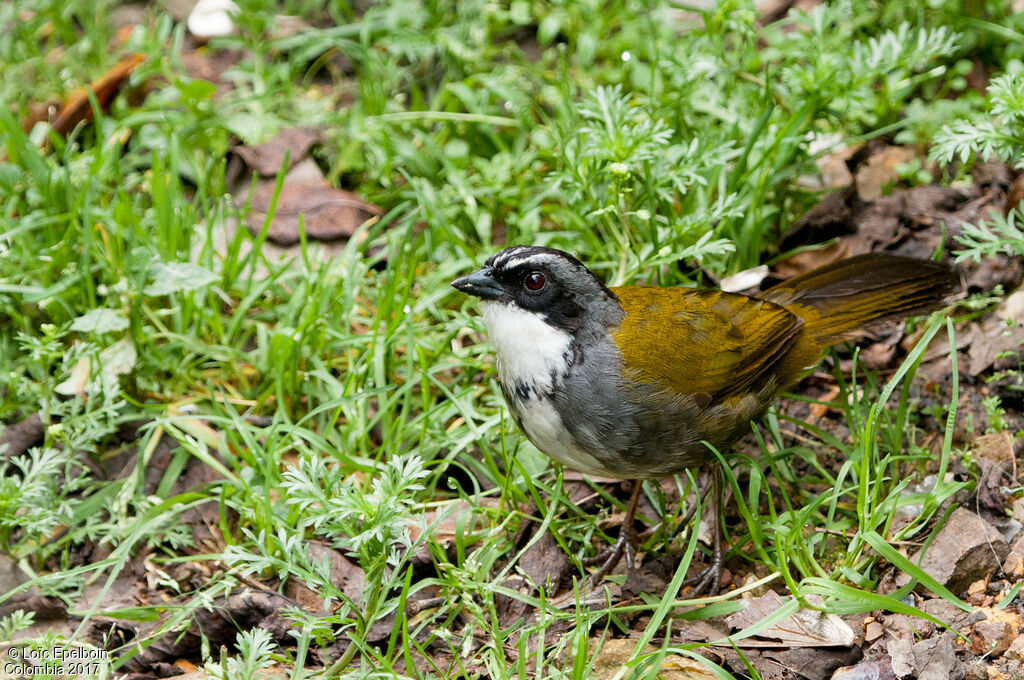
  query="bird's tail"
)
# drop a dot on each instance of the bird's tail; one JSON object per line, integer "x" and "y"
{"x": 838, "y": 300}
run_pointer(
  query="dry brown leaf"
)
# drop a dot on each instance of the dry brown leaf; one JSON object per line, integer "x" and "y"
{"x": 806, "y": 260}
{"x": 990, "y": 340}
{"x": 328, "y": 213}
{"x": 819, "y": 409}
{"x": 834, "y": 167}
{"x": 877, "y": 355}
{"x": 805, "y": 628}
{"x": 267, "y": 158}
{"x": 996, "y": 447}
{"x": 77, "y": 108}
{"x": 1014, "y": 195}
{"x": 880, "y": 171}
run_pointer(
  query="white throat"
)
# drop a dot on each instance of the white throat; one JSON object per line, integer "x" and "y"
{"x": 528, "y": 349}
{"x": 531, "y": 354}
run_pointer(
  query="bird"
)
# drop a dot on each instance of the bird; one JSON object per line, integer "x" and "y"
{"x": 644, "y": 382}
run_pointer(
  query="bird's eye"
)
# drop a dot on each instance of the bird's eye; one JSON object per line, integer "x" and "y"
{"x": 534, "y": 281}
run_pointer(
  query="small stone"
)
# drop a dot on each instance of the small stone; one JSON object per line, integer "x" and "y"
{"x": 999, "y": 589}
{"x": 1013, "y": 565}
{"x": 755, "y": 592}
{"x": 979, "y": 586}
{"x": 1010, "y": 528}
{"x": 994, "y": 634}
{"x": 212, "y": 19}
{"x": 901, "y": 652}
{"x": 1016, "y": 649}
{"x": 1017, "y": 509}
{"x": 908, "y": 627}
{"x": 979, "y": 600}
{"x": 966, "y": 549}
{"x": 991, "y": 638}
{"x": 935, "y": 659}
{"x": 873, "y": 631}
{"x": 944, "y": 611}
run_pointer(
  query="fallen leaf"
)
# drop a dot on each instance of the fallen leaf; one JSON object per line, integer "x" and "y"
{"x": 19, "y": 437}
{"x": 834, "y": 168}
{"x": 868, "y": 670}
{"x": 458, "y": 518}
{"x": 991, "y": 340}
{"x": 328, "y": 213}
{"x": 820, "y": 408}
{"x": 100, "y": 320}
{"x": 267, "y": 158}
{"x": 877, "y": 355}
{"x": 77, "y": 381}
{"x": 118, "y": 359}
{"x": 286, "y": 25}
{"x": 173, "y": 277}
{"x": 805, "y": 628}
{"x": 1012, "y": 307}
{"x": 806, "y": 260}
{"x": 880, "y": 171}
{"x": 77, "y": 108}
{"x": 347, "y": 576}
{"x": 1014, "y": 195}
{"x": 211, "y": 65}
{"x": 612, "y": 656}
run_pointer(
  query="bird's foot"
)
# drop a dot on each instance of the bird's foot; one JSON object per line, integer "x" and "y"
{"x": 709, "y": 580}
{"x": 625, "y": 546}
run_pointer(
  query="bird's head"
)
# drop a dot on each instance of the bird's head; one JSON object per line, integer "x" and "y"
{"x": 545, "y": 283}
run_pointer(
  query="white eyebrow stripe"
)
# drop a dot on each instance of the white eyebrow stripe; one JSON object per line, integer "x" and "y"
{"x": 501, "y": 258}
{"x": 538, "y": 258}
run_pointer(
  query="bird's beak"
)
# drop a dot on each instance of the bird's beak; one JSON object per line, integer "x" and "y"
{"x": 480, "y": 284}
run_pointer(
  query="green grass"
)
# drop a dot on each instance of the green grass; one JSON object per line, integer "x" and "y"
{"x": 350, "y": 399}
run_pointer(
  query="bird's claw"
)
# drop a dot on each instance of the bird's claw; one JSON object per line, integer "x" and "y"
{"x": 624, "y": 546}
{"x": 708, "y": 581}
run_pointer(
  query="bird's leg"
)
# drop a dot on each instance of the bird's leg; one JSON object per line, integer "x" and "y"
{"x": 625, "y": 545}
{"x": 710, "y": 579}
{"x": 702, "y": 493}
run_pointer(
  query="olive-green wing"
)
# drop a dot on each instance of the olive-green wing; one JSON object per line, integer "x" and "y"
{"x": 702, "y": 342}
